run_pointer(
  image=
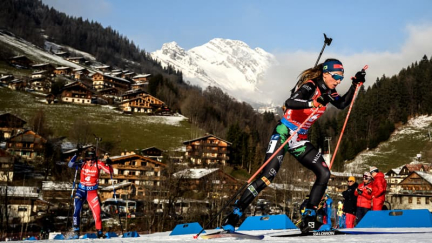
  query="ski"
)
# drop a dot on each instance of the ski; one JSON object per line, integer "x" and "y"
{"x": 237, "y": 235}
{"x": 310, "y": 233}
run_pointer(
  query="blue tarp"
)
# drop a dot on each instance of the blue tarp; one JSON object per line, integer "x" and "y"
{"x": 396, "y": 219}
{"x": 185, "y": 229}
{"x": 267, "y": 222}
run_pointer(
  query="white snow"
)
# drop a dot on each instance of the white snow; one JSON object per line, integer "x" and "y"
{"x": 369, "y": 238}
{"x": 34, "y": 52}
{"x": 228, "y": 64}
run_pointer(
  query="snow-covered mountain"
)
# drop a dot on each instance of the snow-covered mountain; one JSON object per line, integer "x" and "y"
{"x": 229, "y": 64}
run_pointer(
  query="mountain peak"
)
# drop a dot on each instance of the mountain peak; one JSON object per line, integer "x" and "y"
{"x": 228, "y": 64}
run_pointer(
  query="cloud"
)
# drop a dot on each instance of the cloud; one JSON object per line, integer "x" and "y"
{"x": 93, "y": 9}
{"x": 280, "y": 79}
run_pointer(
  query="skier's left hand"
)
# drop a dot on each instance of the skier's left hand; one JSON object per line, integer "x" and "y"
{"x": 359, "y": 77}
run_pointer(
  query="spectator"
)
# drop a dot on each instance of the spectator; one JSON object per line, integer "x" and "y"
{"x": 350, "y": 202}
{"x": 364, "y": 196}
{"x": 340, "y": 217}
{"x": 379, "y": 187}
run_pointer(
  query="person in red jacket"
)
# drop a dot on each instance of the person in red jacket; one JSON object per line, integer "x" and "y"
{"x": 379, "y": 187}
{"x": 87, "y": 190}
{"x": 364, "y": 196}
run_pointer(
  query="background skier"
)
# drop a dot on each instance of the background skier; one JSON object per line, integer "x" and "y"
{"x": 316, "y": 88}
{"x": 87, "y": 189}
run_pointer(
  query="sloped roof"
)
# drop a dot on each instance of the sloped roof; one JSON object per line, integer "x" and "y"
{"x": 426, "y": 176}
{"x": 56, "y": 185}
{"x": 116, "y": 186}
{"x": 207, "y": 136}
{"x": 20, "y": 191}
{"x": 194, "y": 173}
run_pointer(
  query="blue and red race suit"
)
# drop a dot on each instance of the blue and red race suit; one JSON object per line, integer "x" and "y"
{"x": 87, "y": 189}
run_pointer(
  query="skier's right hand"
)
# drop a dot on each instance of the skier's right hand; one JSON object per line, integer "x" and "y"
{"x": 321, "y": 101}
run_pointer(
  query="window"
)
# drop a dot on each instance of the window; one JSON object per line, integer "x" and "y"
{"x": 418, "y": 200}
{"x": 427, "y": 200}
{"x": 409, "y": 199}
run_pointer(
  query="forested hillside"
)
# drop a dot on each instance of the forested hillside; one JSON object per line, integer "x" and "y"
{"x": 389, "y": 101}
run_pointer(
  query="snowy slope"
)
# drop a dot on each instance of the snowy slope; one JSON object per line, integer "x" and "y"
{"x": 402, "y": 147}
{"x": 229, "y": 64}
{"x": 23, "y": 47}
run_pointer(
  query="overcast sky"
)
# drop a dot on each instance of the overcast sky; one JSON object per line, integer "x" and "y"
{"x": 387, "y": 35}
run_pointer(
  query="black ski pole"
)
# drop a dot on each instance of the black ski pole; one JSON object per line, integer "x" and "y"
{"x": 327, "y": 42}
{"x": 70, "y": 205}
{"x": 118, "y": 210}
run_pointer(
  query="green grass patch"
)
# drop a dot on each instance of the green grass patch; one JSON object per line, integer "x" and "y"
{"x": 129, "y": 132}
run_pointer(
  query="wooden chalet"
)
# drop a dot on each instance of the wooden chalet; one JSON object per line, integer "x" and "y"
{"x": 23, "y": 203}
{"x": 214, "y": 181}
{"x": 27, "y": 144}
{"x": 41, "y": 84}
{"x": 6, "y": 79}
{"x": 141, "y": 78}
{"x": 77, "y": 93}
{"x": 207, "y": 150}
{"x": 414, "y": 192}
{"x": 104, "y": 68}
{"x": 44, "y": 67}
{"x": 77, "y": 60}
{"x": 80, "y": 73}
{"x": 65, "y": 71}
{"x": 408, "y": 168}
{"x": 152, "y": 153}
{"x": 128, "y": 75}
{"x": 17, "y": 84}
{"x": 137, "y": 169}
{"x": 102, "y": 81}
{"x": 57, "y": 192}
{"x": 124, "y": 190}
{"x": 10, "y": 125}
{"x": 20, "y": 61}
{"x": 144, "y": 103}
{"x": 6, "y": 166}
{"x": 131, "y": 94}
{"x": 39, "y": 74}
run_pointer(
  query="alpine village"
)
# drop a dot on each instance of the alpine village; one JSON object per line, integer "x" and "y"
{"x": 178, "y": 153}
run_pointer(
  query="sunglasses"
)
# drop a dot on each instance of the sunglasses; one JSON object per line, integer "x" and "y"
{"x": 336, "y": 76}
{"x": 350, "y": 181}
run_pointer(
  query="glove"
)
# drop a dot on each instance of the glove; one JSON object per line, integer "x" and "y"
{"x": 321, "y": 101}
{"x": 359, "y": 77}
{"x": 108, "y": 161}
{"x": 359, "y": 191}
{"x": 369, "y": 189}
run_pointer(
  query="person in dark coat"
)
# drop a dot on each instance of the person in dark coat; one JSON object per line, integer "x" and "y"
{"x": 350, "y": 202}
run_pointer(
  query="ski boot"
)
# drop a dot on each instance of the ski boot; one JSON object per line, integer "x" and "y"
{"x": 309, "y": 222}
{"x": 232, "y": 220}
{"x": 100, "y": 234}
{"x": 76, "y": 233}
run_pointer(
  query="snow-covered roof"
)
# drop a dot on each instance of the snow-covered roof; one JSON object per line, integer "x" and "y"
{"x": 289, "y": 187}
{"x": 20, "y": 191}
{"x": 142, "y": 76}
{"x": 345, "y": 174}
{"x": 194, "y": 173}
{"x": 56, "y": 185}
{"x": 116, "y": 186}
{"x": 426, "y": 176}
